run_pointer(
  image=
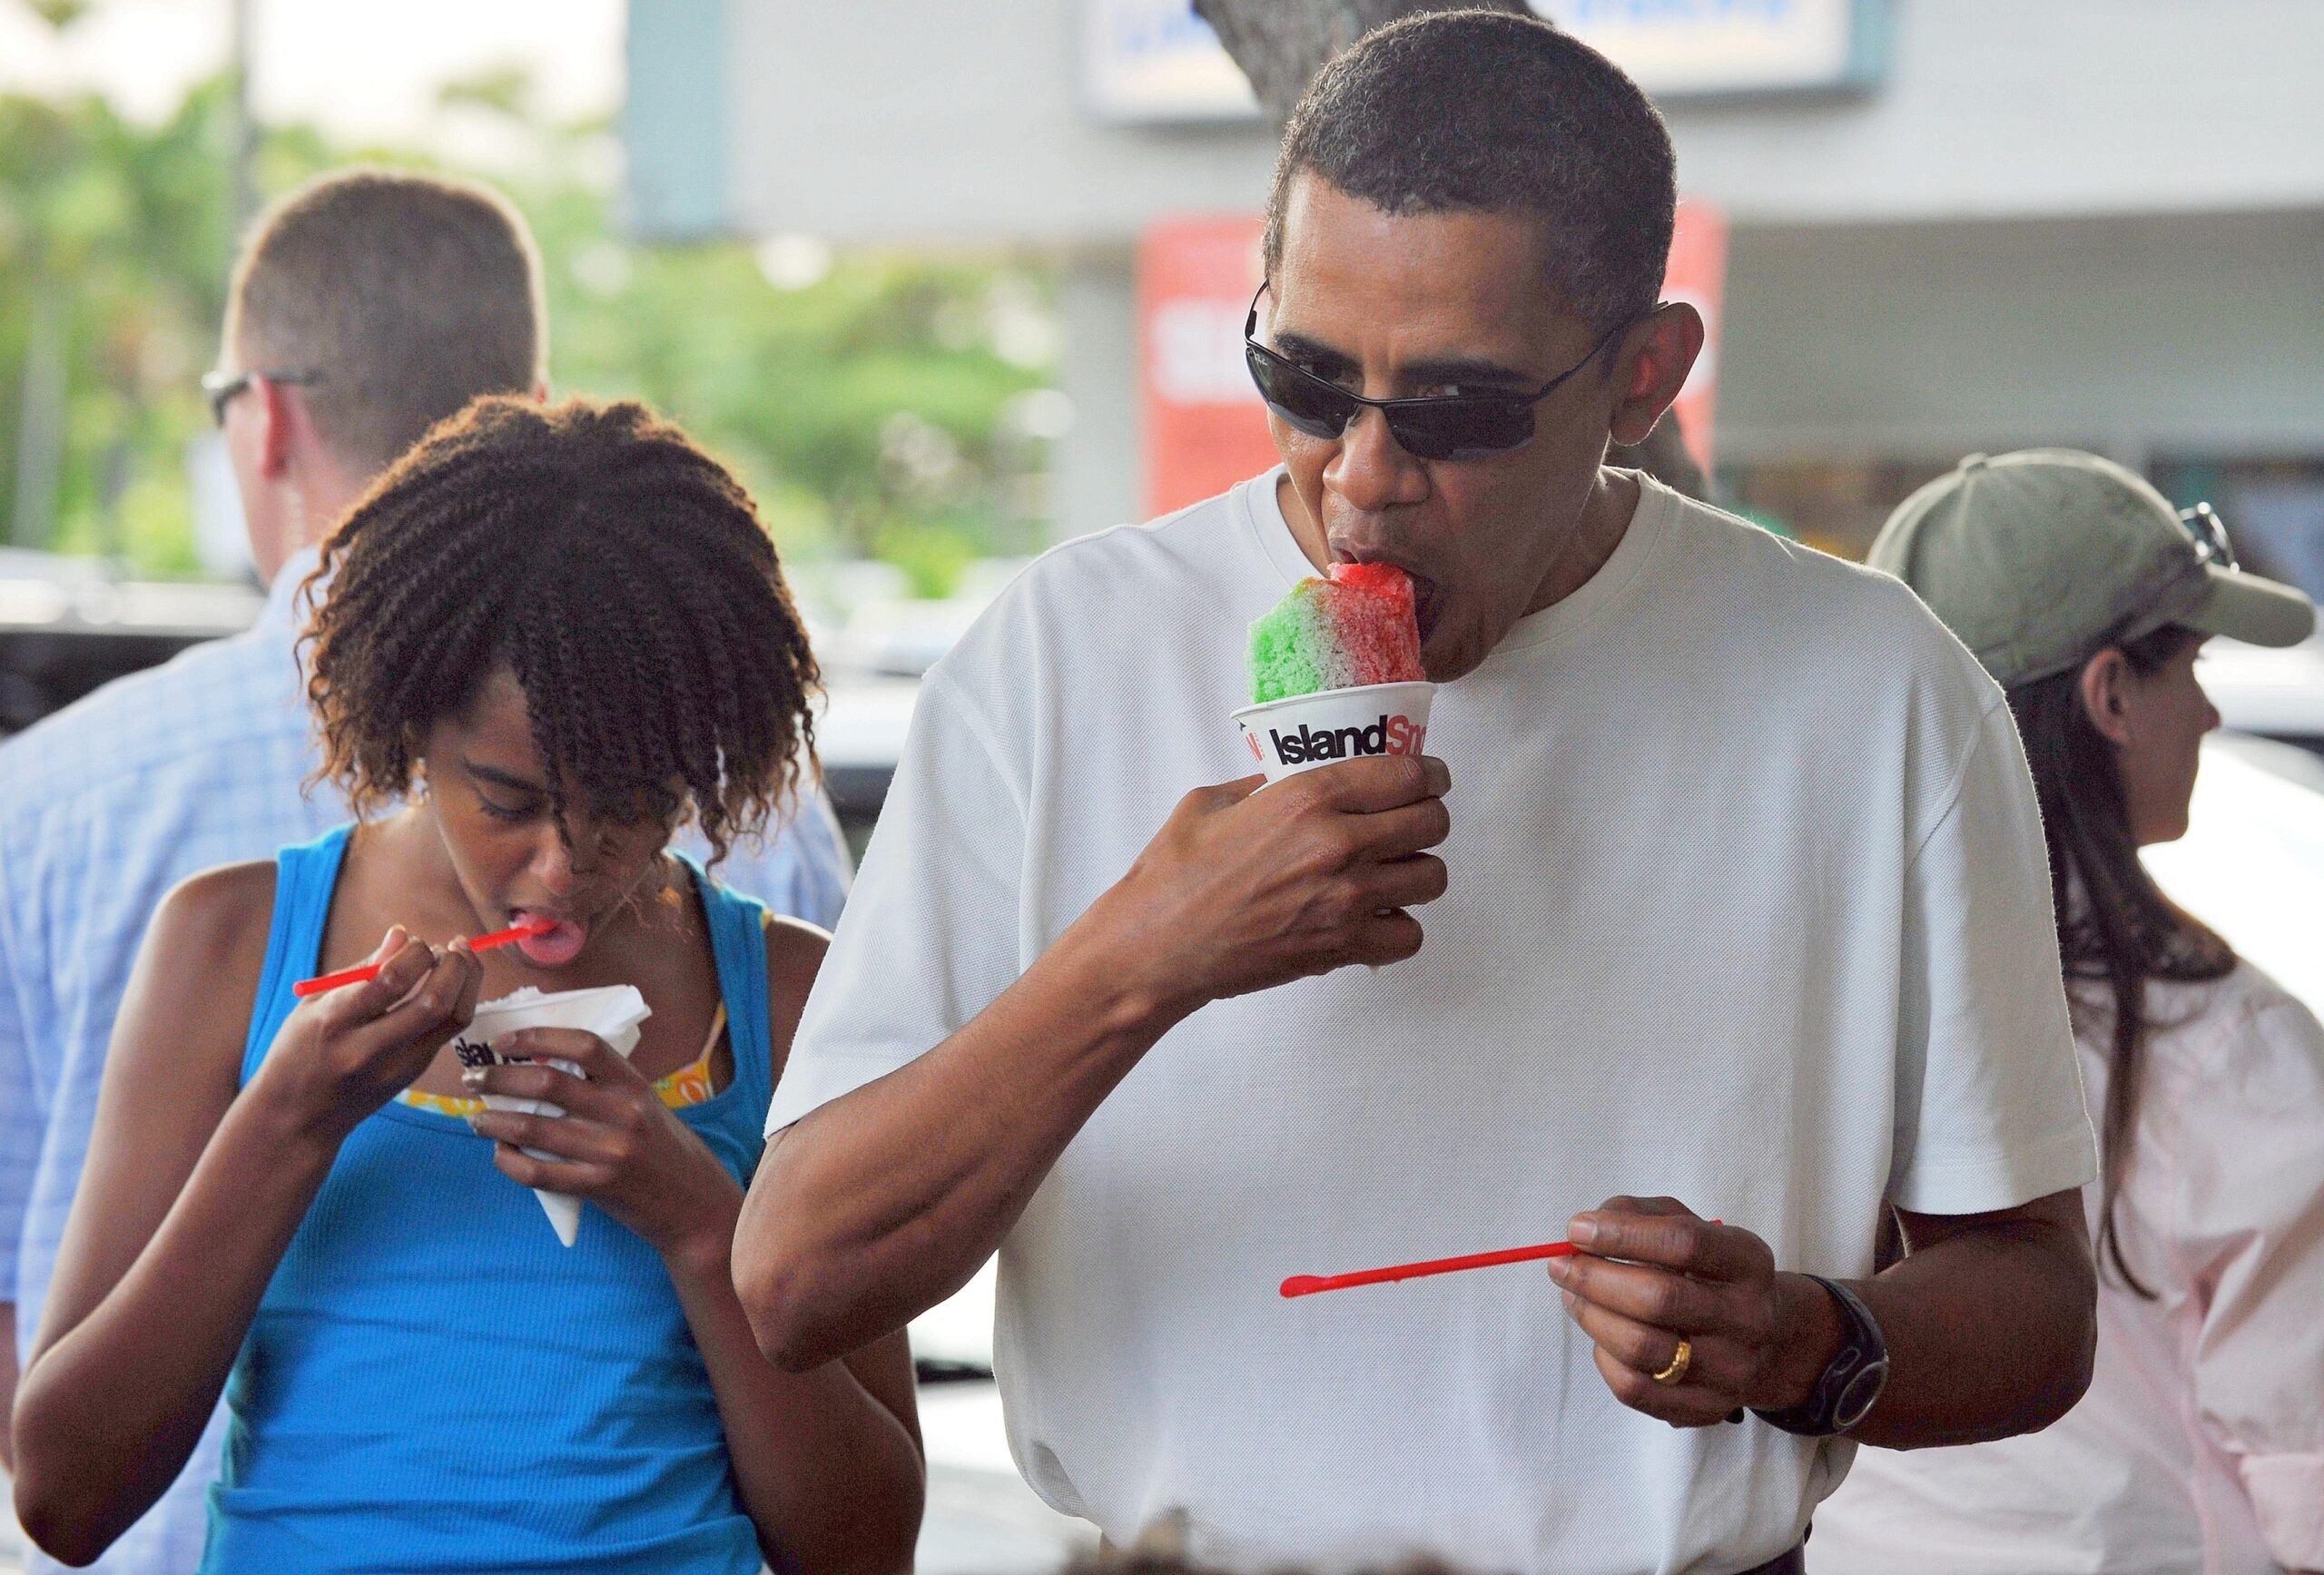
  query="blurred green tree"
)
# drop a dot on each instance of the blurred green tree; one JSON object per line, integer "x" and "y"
{"x": 882, "y": 406}
{"x": 113, "y": 249}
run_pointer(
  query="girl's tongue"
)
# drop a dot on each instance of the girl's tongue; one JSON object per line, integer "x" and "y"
{"x": 553, "y": 947}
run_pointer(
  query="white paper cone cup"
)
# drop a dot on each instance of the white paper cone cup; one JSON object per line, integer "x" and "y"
{"x": 564, "y": 1212}
{"x": 564, "y": 1209}
{"x": 1288, "y": 736}
{"x": 614, "y": 1013}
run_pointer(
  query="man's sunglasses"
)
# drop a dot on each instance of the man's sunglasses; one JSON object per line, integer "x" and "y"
{"x": 2210, "y": 534}
{"x": 221, "y": 388}
{"x": 1440, "y": 427}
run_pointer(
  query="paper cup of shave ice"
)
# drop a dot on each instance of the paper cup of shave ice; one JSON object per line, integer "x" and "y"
{"x": 614, "y": 1013}
{"x": 1286, "y": 737}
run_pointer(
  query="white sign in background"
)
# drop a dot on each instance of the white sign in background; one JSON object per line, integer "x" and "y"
{"x": 1196, "y": 344}
{"x": 1676, "y": 48}
{"x": 1156, "y": 60}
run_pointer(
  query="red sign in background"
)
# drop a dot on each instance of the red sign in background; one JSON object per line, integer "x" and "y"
{"x": 1204, "y": 427}
{"x": 1696, "y": 274}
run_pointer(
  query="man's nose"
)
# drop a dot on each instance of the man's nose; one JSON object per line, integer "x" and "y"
{"x": 1373, "y": 471}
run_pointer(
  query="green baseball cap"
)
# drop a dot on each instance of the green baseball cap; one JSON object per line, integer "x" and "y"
{"x": 2040, "y": 559}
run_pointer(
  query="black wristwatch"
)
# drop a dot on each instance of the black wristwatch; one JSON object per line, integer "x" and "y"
{"x": 1852, "y": 1381}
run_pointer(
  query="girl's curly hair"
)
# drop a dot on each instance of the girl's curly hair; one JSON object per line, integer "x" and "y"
{"x": 618, "y": 571}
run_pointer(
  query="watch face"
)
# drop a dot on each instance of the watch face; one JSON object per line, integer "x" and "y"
{"x": 1857, "y": 1394}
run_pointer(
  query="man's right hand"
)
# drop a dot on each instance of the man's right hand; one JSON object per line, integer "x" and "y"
{"x": 1242, "y": 890}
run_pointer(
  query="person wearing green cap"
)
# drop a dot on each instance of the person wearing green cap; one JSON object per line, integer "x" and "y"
{"x": 2199, "y": 1445}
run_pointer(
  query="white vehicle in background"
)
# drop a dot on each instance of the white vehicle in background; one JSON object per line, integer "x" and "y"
{"x": 2276, "y": 695}
{"x": 68, "y": 625}
{"x": 860, "y": 736}
{"x": 2251, "y": 864}
{"x": 874, "y": 643}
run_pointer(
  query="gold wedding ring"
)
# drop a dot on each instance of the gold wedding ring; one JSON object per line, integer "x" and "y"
{"x": 1678, "y": 1368}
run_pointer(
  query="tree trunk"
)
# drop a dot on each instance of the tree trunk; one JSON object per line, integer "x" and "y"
{"x": 1281, "y": 44}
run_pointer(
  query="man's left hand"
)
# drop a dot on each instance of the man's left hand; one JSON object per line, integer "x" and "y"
{"x": 1651, "y": 1273}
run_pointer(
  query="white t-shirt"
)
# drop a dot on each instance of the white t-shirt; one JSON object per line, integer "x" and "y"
{"x": 2201, "y": 1443}
{"x": 1748, "y": 907}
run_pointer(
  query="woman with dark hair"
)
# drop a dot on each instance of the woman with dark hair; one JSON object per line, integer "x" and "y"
{"x": 551, "y": 636}
{"x": 2200, "y": 1445}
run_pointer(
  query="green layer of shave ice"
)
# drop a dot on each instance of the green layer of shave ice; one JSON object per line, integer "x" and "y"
{"x": 1287, "y": 649}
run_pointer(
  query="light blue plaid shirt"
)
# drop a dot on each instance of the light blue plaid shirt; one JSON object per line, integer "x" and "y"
{"x": 105, "y": 806}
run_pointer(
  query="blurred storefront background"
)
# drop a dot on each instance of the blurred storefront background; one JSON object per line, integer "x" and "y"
{"x": 1953, "y": 224}
{"x": 948, "y": 284}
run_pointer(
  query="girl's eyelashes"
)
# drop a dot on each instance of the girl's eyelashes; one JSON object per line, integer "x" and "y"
{"x": 500, "y": 811}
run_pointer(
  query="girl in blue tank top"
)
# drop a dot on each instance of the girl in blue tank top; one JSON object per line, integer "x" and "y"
{"x": 550, "y": 636}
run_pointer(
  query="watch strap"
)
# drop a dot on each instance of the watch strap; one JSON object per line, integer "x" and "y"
{"x": 1861, "y": 1347}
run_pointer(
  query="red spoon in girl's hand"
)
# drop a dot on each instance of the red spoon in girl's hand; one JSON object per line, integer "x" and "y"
{"x": 306, "y": 987}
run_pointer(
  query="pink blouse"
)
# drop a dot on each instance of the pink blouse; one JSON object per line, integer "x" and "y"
{"x": 2200, "y": 1444}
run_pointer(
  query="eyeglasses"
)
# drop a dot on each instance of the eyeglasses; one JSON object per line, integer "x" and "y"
{"x": 221, "y": 388}
{"x": 1438, "y": 427}
{"x": 2208, "y": 532}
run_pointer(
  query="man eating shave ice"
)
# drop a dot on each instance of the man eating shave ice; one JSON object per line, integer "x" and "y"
{"x": 1735, "y": 909}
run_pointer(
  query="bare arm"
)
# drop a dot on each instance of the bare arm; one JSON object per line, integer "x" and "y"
{"x": 835, "y": 1452}
{"x": 1997, "y": 1316}
{"x": 827, "y": 1461}
{"x": 1990, "y": 1319}
{"x": 879, "y": 1206}
{"x": 192, "y": 1193}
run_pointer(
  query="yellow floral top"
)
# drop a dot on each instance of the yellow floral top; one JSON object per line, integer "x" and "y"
{"x": 689, "y": 1085}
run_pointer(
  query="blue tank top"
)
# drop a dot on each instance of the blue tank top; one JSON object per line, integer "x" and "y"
{"x": 432, "y": 1382}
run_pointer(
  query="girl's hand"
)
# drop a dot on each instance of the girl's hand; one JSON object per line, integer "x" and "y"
{"x": 618, "y": 1144}
{"x": 342, "y": 1055}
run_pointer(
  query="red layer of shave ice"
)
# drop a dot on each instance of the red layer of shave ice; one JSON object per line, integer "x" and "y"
{"x": 1373, "y": 622}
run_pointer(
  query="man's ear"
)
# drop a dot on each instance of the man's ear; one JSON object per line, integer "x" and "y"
{"x": 280, "y": 415}
{"x": 1657, "y": 354}
{"x": 2106, "y": 689}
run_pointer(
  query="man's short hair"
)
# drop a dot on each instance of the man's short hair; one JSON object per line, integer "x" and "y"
{"x": 1484, "y": 112}
{"x": 403, "y": 295}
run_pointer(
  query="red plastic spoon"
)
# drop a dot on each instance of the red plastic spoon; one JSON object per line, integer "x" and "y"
{"x": 1308, "y": 1284}
{"x": 306, "y": 987}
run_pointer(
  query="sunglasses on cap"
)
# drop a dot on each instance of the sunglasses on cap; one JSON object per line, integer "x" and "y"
{"x": 221, "y": 388}
{"x": 1438, "y": 427}
{"x": 2208, "y": 532}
